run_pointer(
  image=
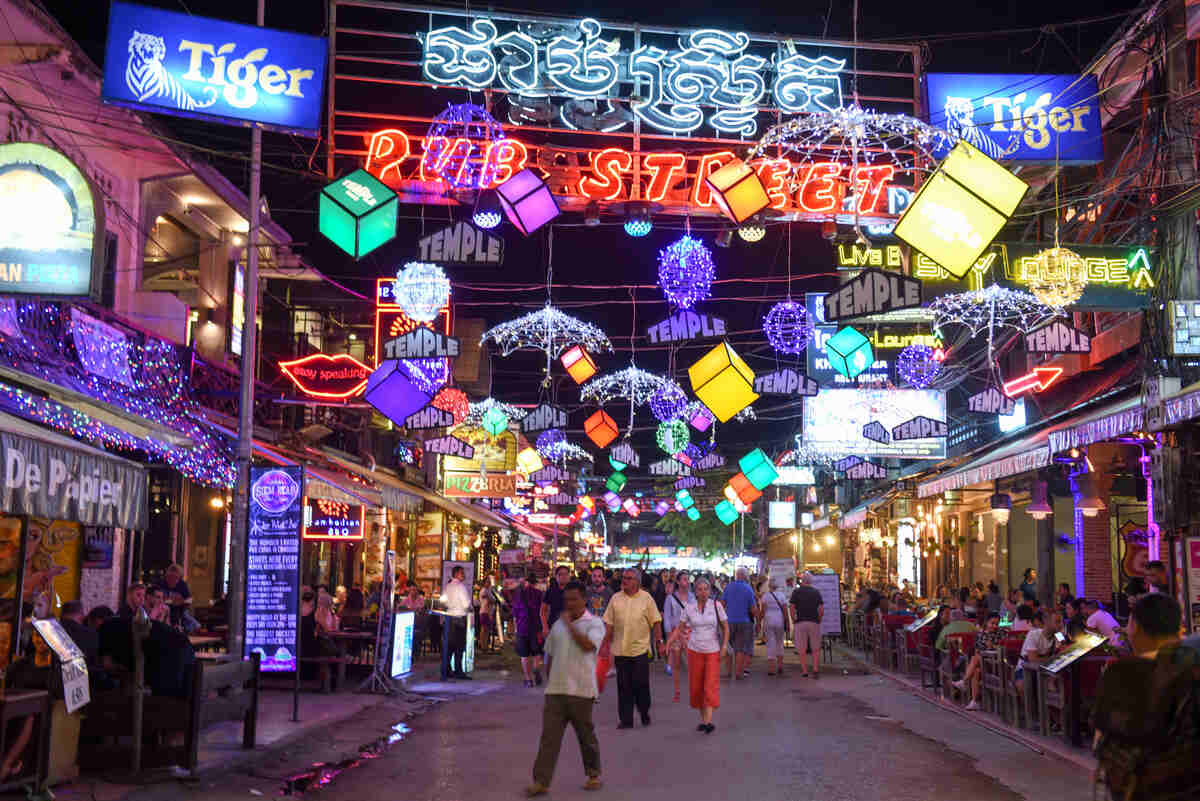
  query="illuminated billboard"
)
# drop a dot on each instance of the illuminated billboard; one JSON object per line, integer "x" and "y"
{"x": 834, "y": 421}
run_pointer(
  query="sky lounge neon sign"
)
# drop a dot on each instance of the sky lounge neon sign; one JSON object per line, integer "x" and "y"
{"x": 710, "y": 73}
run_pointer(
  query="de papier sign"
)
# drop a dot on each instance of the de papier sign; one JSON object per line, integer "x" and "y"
{"x": 872, "y": 292}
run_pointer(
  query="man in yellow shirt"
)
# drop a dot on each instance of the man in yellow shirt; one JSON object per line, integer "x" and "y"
{"x": 628, "y": 621}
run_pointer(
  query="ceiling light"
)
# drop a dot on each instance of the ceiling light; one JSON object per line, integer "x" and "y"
{"x": 1039, "y": 507}
{"x": 637, "y": 220}
{"x": 1086, "y": 499}
{"x": 487, "y": 210}
{"x": 1001, "y": 507}
{"x": 752, "y": 232}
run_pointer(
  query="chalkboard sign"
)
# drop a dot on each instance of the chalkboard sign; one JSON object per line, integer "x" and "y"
{"x": 829, "y": 585}
{"x": 273, "y": 567}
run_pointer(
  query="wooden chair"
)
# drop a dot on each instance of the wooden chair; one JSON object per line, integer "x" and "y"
{"x": 907, "y": 656}
{"x": 927, "y": 659}
{"x": 992, "y": 681}
{"x": 223, "y": 691}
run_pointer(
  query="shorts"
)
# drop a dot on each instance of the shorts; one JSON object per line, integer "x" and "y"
{"x": 807, "y": 633}
{"x": 774, "y": 641}
{"x": 528, "y": 645}
{"x": 741, "y": 636}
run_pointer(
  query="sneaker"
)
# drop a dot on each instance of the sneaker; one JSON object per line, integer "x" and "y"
{"x": 593, "y": 783}
{"x": 536, "y": 789}
{"x": 669, "y": 672}
{"x": 971, "y": 707}
{"x": 959, "y": 685}
{"x": 702, "y": 727}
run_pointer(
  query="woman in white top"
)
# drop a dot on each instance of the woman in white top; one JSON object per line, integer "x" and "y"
{"x": 776, "y": 622}
{"x": 673, "y": 608}
{"x": 707, "y": 640}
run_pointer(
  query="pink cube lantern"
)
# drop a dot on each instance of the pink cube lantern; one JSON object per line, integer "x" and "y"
{"x": 631, "y": 507}
{"x": 703, "y": 419}
{"x": 527, "y": 201}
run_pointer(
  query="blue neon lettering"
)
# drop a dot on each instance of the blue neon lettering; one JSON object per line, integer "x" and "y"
{"x": 453, "y": 55}
{"x": 583, "y": 68}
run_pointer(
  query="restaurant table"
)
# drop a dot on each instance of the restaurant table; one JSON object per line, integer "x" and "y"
{"x": 17, "y": 705}
{"x": 205, "y": 641}
{"x": 342, "y": 640}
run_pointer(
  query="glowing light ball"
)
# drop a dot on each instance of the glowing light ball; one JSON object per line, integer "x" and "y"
{"x": 527, "y": 201}
{"x": 455, "y": 401}
{"x": 917, "y": 365}
{"x": 600, "y": 429}
{"x": 726, "y": 512}
{"x": 723, "y": 382}
{"x": 579, "y": 364}
{"x": 494, "y": 421}
{"x": 529, "y": 461}
{"x": 668, "y": 401}
{"x": 422, "y": 290}
{"x": 752, "y": 232}
{"x": 849, "y": 352}
{"x": 456, "y": 146}
{"x": 787, "y": 327}
{"x": 672, "y": 436}
{"x": 686, "y": 271}
{"x": 550, "y": 439}
{"x": 616, "y": 482}
{"x": 693, "y": 514}
{"x": 638, "y": 227}
{"x": 738, "y": 191}
{"x": 758, "y": 468}
{"x": 357, "y": 213}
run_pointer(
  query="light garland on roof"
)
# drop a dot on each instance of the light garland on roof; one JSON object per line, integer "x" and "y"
{"x": 631, "y": 383}
{"x": 990, "y": 308}
{"x": 548, "y": 330}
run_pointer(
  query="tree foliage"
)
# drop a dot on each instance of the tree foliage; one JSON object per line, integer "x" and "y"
{"x": 708, "y": 535}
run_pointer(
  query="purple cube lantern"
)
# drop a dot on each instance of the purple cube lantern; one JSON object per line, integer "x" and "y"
{"x": 394, "y": 392}
{"x": 662, "y": 507}
{"x": 702, "y": 418}
{"x": 527, "y": 201}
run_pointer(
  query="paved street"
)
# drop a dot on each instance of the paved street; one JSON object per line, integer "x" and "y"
{"x": 843, "y": 738}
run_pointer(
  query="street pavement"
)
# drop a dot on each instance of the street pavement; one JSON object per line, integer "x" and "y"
{"x": 846, "y": 737}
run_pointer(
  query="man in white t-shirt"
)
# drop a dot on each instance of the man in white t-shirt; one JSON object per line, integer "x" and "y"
{"x": 1098, "y": 619}
{"x": 570, "y": 690}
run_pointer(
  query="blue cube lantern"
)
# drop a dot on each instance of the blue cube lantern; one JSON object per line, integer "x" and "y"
{"x": 684, "y": 498}
{"x": 357, "y": 213}
{"x": 394, "y": 392}
{"x": 758, "y": 469}
{"x": 693, "y": 514}
{"x": 849, "y": 352}
{"x": 725, "y": 512}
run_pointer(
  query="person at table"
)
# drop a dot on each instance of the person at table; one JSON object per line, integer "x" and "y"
{"x": 352, "y": 611}
{"x": 414, "y": 601}
{"x": 1024, "y": 621}
{"x": 156, "y": 607}
{"x": 135, "y": 601}
{"x": 1098, "y": 619}
{"x": 327, "y": 621}
{"x": 457, "y": 599}
{"x": 1074, "y": 622}
{"x": 958, "y": 625}
{"x": 86, "y": 638}
{"x": 176, "y": 593}
{"x": 988, "y": 639}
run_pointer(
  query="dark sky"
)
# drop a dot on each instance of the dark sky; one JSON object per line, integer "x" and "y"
{"x": 1011, "y": 36}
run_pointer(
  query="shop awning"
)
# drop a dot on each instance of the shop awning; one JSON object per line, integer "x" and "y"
{"x": 1028, "y": 453}
{"x": 1181, "y": 407}
{"x": 50, "y": 475}
{"x": 320, "y": 483}
{"x": 1111, "y": 421}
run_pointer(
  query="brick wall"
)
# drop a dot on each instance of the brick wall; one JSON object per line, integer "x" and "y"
{"x": 1094, "y": 544}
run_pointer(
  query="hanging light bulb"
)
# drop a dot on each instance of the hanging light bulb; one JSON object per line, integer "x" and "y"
{"x": 752, "y": 232}
{"x": 1039, "y": 507}
{"x": 487, "y": 210}
{"x": 637, "y": 220}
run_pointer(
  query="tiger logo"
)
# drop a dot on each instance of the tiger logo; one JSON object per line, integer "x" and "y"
{"x": 960, "y": 121}
{"x": 146, "y": 77}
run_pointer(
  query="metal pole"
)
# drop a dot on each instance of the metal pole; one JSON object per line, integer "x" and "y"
{"x": 236, "y": 602}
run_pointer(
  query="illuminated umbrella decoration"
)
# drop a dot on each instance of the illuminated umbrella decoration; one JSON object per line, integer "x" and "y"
{"x": 631, "y": 383}
{"x": 478, "y": 410}
{"x": 548, "y": 330}
{"x": 990, "y": 308}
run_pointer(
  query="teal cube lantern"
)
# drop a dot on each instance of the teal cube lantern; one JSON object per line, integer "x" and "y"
{"x": 849, "y": 352}
{"x": 685, "y": 499}
{"x": 616, "y": 482}
{"x": 725, "y": 512}
{"x": 693, "y": 514}
{"x": 758, "y": 469}
{"x": 495, "y": 421}
{"x": 358, "y": 213}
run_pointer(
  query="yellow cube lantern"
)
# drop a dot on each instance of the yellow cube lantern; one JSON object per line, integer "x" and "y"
{"x": 723, "y": 382}
{"x": 529, "y": 461}
{"x": 738, "y": 191}
{"x": 579, "y": 364}
{"x": 600, "y": 428}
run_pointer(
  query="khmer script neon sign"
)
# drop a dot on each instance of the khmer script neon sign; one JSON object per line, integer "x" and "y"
{"x": 709, "y": 77}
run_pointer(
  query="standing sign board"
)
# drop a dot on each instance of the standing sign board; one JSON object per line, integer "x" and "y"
{"x": 1080, "y": 646}
{"x": 193, "y": 66}
{"x": 273, "y": 567}
{"x": 1193, "y": 583}
{"x": 74, "y": 667}
{"x": 830, "y": 587}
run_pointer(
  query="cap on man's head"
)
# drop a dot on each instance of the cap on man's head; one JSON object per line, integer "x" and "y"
{"x": 806, "y": 577}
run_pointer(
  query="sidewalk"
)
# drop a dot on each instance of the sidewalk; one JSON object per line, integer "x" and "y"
{"x": 1052, "y": 746}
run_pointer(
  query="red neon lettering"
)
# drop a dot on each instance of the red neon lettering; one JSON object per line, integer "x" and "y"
{"x": 607, "y": 165}
{"x": 870, "y": 185}
{"x": 709, "y": 163}
{"x": 508, "y": 156}
{"x": 663, "y": 168}
{"x": 391, "y": 144}
{"x": 432, "y": 148}
{"x": 773, "y": 173}
{"x": 819, "y": 191}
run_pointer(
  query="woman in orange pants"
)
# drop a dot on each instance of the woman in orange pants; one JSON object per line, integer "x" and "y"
{"x": 707, "y": 643}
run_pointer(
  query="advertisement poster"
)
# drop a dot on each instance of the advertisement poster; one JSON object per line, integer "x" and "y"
{"x": 273, "y": 566}
{"x": 834, "y": 421}
{"x": 1193, "y": 581}
{"x": 98, "y": 548}
{"x": 52, "y": 559}
{"x": 402, "y": 644}
{"x": 1081, "y": 645}
{"x": 427, "y": 550}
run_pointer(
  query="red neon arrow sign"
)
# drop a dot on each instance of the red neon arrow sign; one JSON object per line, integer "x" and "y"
{"x": 1036, "y": 380}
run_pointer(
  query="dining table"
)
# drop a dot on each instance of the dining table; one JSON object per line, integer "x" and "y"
{"x": 343, "y": 639}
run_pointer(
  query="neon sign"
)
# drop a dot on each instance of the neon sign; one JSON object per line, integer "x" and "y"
{"x": 709, "y": 72}
{"x": 391, "y": 322}
{"x": 1038, "y": 379}
{"x": 332, "y": 520}
{"x": 334, "y": 377}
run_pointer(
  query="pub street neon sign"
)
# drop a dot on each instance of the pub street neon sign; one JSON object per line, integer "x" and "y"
{"x": 421, "y": 343}
{"x": 429, "y": 417}
{"x": 872, "y": 292}
{"x": 786, "y": 382}
{"x": 865, "y": 470}
{"x": 543, "y": 417}
{"x": 1038, "y": 379}
{"x": 686, "y": 325}
{"x": 874, "y": 430}
{"x": 668, "y": 90}
{"x": 919, "y": 427}
{"x": 463, "y": 244}
{"x": 449, "y": 446}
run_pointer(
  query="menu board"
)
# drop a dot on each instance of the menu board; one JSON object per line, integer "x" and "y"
{"x": 831, "y": 595}
{"x": 273, "y": 567}
{"x": 402, "y": 644}
{"x": 922, "y": 622}
{"x": 1081, "y": 645}
{"x": 332, "y": 520}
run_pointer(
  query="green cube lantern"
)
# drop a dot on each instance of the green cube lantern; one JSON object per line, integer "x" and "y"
{"x": 358, "y": 213}
{"x": 725, "y": 512}
{"x": 849, "y": 352}
{"x": 495, "y": 421}
{"x": 758, "y": 469}
{"x": 685, "y": 498}
{"x": 693, "y": 513}
{"x": 615, "y": 482}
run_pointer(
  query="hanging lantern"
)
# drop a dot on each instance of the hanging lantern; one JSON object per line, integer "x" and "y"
{"x": 422, "y": 290}
{"x": 631, "y": 507}
{"x": 746, "y": 492}
{"x": 684, "y": 498}
{"x": 662, "y": 507}
{"x": 455, "y": 401}
{"x": 600, "y": 429}
{"x": 579, "y": 364}
{"x": 394, "y": 392}
{"x": 726, "y": 512}
{"x": 357, "y": 213}
{"x": 723, "y": 382}
{"x": 759, "y": 469}
{"x": 849, "y": 352}
{"x": 787, "y": 327}
{"x": 550, "y": 440}
{"x": 672, "y": 436}
{"x": 685, "y": 272}
{"x": 701, "y": 418}
{"x": 615, "y": 483}
{"x": 527, "y": 201}
{"x": 616, "y": 464}
{"x": 1061, "y": 278}
{"x": 738, "y": 191}
{"x": 916, "y": 365}
{"x": 529, "y": 461}
{"x": 668, "y": 401}
{"x": 494, "y": 421}
{"x": 693, "y": 514}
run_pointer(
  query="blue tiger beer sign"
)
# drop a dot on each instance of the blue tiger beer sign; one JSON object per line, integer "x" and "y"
{"x": 178, "y": 64}
{"x": 1020, "y": 117}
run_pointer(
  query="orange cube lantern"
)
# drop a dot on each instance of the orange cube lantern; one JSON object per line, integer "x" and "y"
{"x": 746, "y": 492}
{"x": 738, "y": 190}
{"x": 579, "y": 364}
{"x": 600, "y": 429}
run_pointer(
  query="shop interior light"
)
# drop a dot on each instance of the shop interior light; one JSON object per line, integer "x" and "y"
{"x": 1001, "y": 504}
{"x": 217, "y": 502}
{"x": 830, "y": 540}
{"x": 1039, "y": 507}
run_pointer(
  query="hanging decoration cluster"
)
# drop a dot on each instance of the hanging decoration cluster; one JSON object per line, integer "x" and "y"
{"x": 567, "y": 452}
{"x": 686, "y": 272}
{"x": 548, "y": 330}
{"x": 422, "y": 290}
{"x": 549, "y": 440}
{"x": 480, "y": 409}
{"x": 916, "y": 365}
{"x": 668, "y": 401}
{"x": 632, "y": 383}
{"x": 990, "y": 308}
{"x": 787, "y": 327}
{"x": 672, "y": 436}
{"x": 1061, "y": 278}
{"x": 455, "y": 401}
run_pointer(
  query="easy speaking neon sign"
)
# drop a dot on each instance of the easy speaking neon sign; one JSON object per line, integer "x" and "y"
{"x": 709, "y": 72}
